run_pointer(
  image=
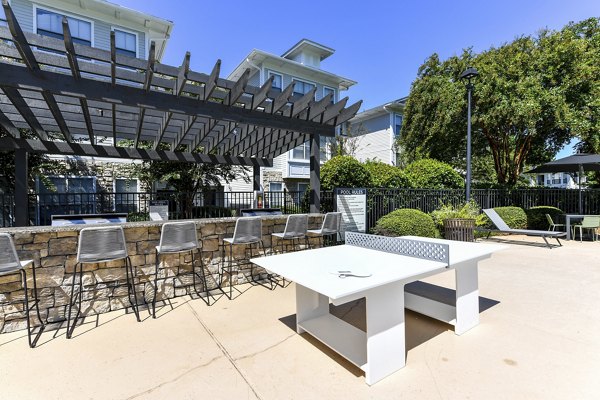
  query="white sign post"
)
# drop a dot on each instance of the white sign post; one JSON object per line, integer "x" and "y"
{"x": 352, "y": 203}
{"x": 159, "y": 210}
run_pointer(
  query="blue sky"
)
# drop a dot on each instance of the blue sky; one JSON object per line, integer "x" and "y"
{"x": 379, "y": 44}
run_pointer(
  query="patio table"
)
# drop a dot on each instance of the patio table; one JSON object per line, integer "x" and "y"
{"x": 379, "y": 269}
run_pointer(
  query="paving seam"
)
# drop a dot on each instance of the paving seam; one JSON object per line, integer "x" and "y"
{"x": 224, "y": 351}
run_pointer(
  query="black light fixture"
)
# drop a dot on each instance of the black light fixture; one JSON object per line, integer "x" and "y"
{"x": 467, "y": 75}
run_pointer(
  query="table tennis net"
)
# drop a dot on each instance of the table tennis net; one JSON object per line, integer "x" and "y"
{"x": 406, "y": 247}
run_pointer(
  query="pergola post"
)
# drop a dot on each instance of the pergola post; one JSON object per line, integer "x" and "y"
{"x": 315, "y": 173}
{"x": 256, "y": 177}
{"x": 21, "y": 190}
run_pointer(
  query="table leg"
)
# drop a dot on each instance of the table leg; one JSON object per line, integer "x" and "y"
{"x": 309, "y": 304}
{"x": 386, "y": 344}
{"x": 568, "y": 226}
{"x": 467, "y": 297}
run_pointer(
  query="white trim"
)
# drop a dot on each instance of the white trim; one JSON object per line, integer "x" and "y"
{"x": 137, "y": 43}
{"x": 67, "y": 14}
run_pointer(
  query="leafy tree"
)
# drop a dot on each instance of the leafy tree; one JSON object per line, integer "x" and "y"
{"x": 386, "y": 176}
{"x": 188, "y": 179}
{"x": 433, "y": 174}
{"x": 347, "y": 144}
{"x": 532, "y": 96}
{"x": 344, "y": 171}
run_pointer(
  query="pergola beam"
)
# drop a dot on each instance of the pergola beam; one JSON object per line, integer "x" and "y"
{"x": 212, "y": 81}
{"x": 72, "y": 57}
{"x": 23, "y": 108}
{"x": 82, "y": 149}
{"x": 261, "y": 96}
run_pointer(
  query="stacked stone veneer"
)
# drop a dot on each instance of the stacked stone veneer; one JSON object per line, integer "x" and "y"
{"x": 54, "y": 250}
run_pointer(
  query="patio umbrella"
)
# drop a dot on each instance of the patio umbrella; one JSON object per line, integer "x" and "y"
{"x": 579, "y": 163}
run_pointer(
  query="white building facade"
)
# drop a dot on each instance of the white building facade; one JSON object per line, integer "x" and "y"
{"x": 376, "y": 131}
{"x": 300, "y": 64}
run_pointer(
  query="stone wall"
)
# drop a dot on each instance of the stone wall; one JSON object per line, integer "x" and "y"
{"x": 54, "y": 250}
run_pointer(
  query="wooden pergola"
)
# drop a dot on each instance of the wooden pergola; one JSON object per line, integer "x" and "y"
{"x": 85, "y": 101}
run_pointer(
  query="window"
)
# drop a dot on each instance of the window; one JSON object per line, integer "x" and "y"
{"x": 326, "y": 91}
{"x": 540, "y": 180}
{"x": 275, "y": 196}
{"x": 125, "y": 43}
{"x": 50, "y": 24}
{"x": 277, "y": 81}
{"x": 302, "y": 152}
{"x": 275, "y": 186}
{"x": 565, "y": 180}
{"x": 302, "y": 187}
{"x": 397, "y": 124}
{"x": 126, "y": 195}
{"x": 301, "y": 88}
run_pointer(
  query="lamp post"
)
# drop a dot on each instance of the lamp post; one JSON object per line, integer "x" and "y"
{"x": 469, "y": 74}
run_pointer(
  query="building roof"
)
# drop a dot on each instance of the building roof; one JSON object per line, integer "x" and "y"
{"x": 258, "y": 57}
{"x": 160, "y": 28}
{"x": 306, "y": 44}
{"x": 396, "y": 106}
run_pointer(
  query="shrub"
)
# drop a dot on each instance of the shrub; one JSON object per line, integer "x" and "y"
{"x": 386, "y": 176}
{"x": 447, "y": 211}
{"x": 536, "y": 216}
{"x": 344, "y": 171}
{"x": 138, "y": 216}
{"x": 432, "y": 174}
{"x": 514, "y": 217}
{"x": 406, "y": 221}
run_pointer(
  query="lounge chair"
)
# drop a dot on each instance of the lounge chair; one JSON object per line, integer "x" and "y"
{"x": 502, "y": 227}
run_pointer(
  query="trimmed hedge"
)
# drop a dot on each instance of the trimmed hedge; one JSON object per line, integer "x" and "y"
{"x": 536, "y": 216}
{"x": 514, "y": 217}
{"x": 406, "y": 221}
{"x": 344, "y": 171}
{"x": 433, "y": 174}
{"x": 386, "y": 176}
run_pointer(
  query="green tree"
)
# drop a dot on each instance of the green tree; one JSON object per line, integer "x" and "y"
{"x": 532, "y": 96}
{"x": 433, "y": 174}
{"x": 344, "y": 171}
{"x": 386, "y": 176}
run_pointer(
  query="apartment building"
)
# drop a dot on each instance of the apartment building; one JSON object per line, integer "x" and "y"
{"x": 300, "y": 64}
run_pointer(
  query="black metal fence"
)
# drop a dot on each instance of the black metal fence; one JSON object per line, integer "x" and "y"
{"x": 221, "y": 204}
{"x": 209, "y": 204}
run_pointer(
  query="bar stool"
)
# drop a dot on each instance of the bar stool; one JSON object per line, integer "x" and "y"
{"x": 179, "y": 237}
{"x": 296, "y": 227}
{"x": 99, "y": 245}
{"x": 330, "y": 227}
{"x": 10, "y": 264}
{"x": 248, "y": 231}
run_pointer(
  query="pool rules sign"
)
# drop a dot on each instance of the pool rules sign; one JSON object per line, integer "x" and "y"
{"x": 352, "y": 203}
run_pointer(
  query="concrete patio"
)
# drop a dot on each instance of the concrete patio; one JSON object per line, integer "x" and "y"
{"x": 538, "y": 339}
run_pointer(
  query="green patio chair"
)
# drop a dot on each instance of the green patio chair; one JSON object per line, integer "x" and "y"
{"x": 552, "y": 226}
{"x": 590, "y": 222}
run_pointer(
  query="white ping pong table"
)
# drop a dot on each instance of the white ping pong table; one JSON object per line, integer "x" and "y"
{"x": 378, "y": 268}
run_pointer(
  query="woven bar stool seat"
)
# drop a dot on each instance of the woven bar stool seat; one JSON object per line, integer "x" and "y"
{"x": 10, "y": 264}
{"x": 247, "y": 232}
{"x": 180, "y": 237}
{"x": 100, "y": 245}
